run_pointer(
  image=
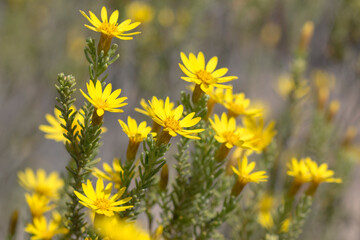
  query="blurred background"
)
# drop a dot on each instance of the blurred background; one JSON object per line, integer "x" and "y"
{"x": 255, "y": 39}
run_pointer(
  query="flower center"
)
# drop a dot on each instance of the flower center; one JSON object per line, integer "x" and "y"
{"x": 109, "y": 29}
{"x": 172, "y": 123}
{"x": 102, "y": 203}
{"x": 231, "y": 137}
{"x": 204, "y": 76}
{"x": 43, "y": 190}
{"x": 101, "y": 104}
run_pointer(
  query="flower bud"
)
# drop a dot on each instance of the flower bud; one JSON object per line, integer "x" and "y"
{"x": 164, "y": 177}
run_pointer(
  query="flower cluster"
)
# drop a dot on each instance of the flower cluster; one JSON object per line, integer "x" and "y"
{"x": 206, "y": 178}
{"x": 42, "y": 197}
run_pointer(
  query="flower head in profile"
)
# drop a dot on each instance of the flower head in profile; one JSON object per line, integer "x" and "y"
{"x": 40, "y": 229}
{"x": 237, "y": 104}
{"x": 104, "y": 100}
{"x": 266, "y": 205}
{"x": 228, "y": 133}
{"x": 100, "y": 200}
{"x": 262, "y": 134}
{"x": 172, "y": 123}
{"x": 41, "y": 184}
{"x": 110, "y": 174}
{"x": 110, "y": 28}
{"x": 149, "y": 110}
{"x": 299, "y": 170}
{"x": 319, "y": 174}
{"x": 116, "y": 229}
{"x": 38, "y": 204}
{"x": 136, "y": 135}
{"x": 55, "y": 131}
{"x": 203, "y": 75}
{"x": 246, "y": 175}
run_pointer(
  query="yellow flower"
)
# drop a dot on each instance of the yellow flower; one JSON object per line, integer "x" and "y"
{"x": 140, "y": 11}
{"x": 136, "y": 135}
{"x": 286, "y": 86}
{"x": 285, "y": 225}
{"x": 245, "y": 175}
{"x": 237, "y": 104}
{"x": 38, "y": 204}
{"x": 319, "y": 174}
{"x": 194, "y": 68}
{"x": 262, "y": 134}
{"x": 55, "y": 131}
{"x": 104, "y": 100}
{"x": 169, "y": 119}
{"x": 299, "y": 170}
{"x": 110, "y": 28}
{"x": 41, "y": 230}
{"x": 203, "y": 76}
{"x": 148, "y": 110}
{"x": 40, "y": 184}
{"x": 100, "y": 201}
{"x": 228, "y": 133}
{"x": 117, "y": 229}
{"x": 266, "y": 204}
{"x": 110, "y": 174}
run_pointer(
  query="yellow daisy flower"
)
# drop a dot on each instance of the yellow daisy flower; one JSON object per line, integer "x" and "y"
{"x": 170, "y": 121}
{"x": 110, "y": 28}
{"x": 100, "y": 200}
{"x": 246, "y": 176}
{"x": 55, "y": 131}
{"x": 229, "y": 135}
{"x": 103, "y": 100}
{"x": 203, "y": 76}
{"x": 319, "y": 174}
{"x": 237, "y": 104}
{"x": 110, "y": 174}
{"x": 262, "y": 134}
{"x": 117, "y": 229}
{"x": 300, "y": 171}
{"x": 40, "y": 183}
{"x": 41, "y": 230}
{"x": 148, "y": 110}
{"x": 38, "y": 204}
{"x": 136, "y": 135}
{"x": 266, "y": 205}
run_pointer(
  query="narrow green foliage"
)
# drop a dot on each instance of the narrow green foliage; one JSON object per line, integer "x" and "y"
{"x": 99, "y": 63}
{"x": 82, "y": 147}
{"x": 151, "y": 162}
{"x": 297, "y": 222}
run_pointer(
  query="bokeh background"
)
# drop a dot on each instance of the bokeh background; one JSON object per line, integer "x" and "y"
{"x": 255, "y": 39}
